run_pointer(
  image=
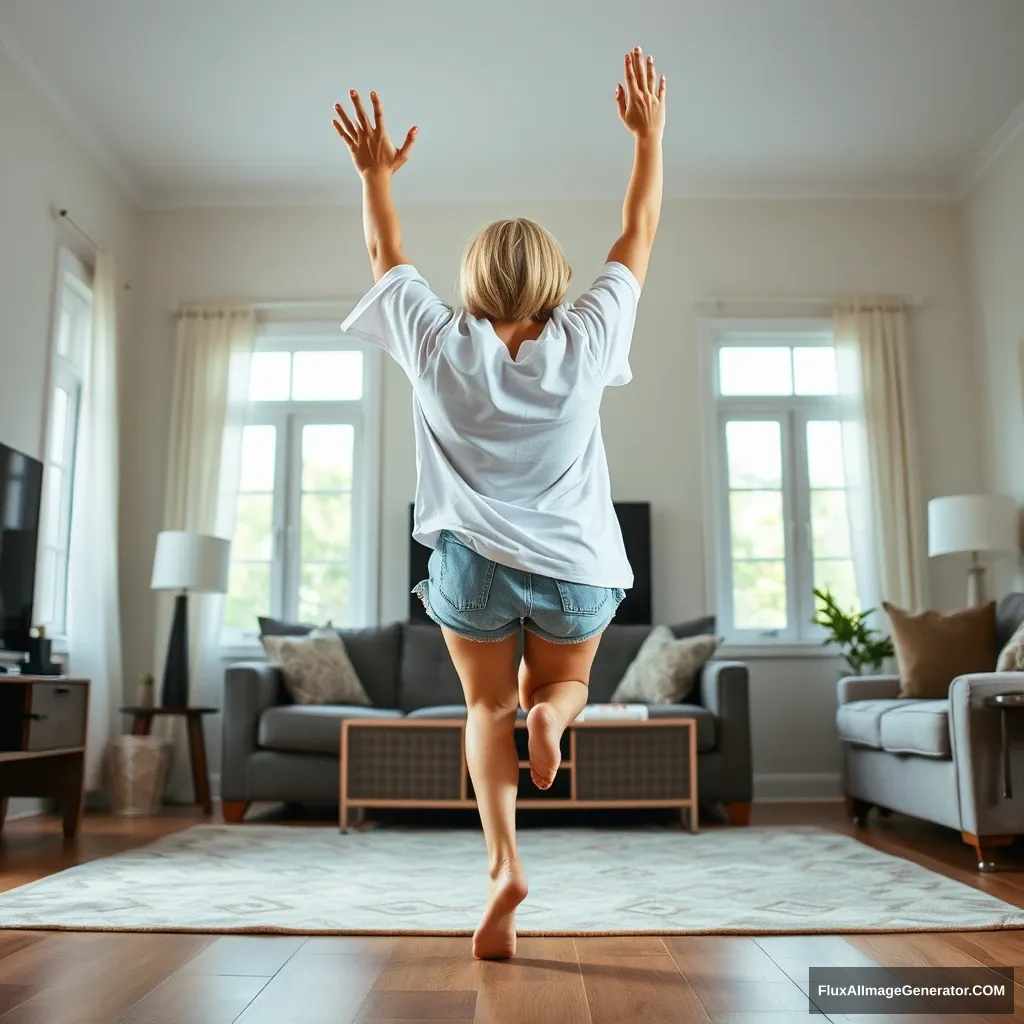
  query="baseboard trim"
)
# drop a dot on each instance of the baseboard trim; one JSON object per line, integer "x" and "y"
{"x": 796, "y": 787}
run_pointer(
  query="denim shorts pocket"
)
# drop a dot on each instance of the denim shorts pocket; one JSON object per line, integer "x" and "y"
{"x": 581, "y": 598}
{"x": 463, "y": 576}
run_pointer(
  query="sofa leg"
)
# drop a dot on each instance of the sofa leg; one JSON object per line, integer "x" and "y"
{"x": 985, "y": 848}
{"x": 739, "y": 814}
{"x": 857, "y": 811}
{"x": 234, "y": 810}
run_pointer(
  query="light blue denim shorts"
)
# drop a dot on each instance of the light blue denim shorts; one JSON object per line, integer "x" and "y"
{"x": 482, "y": 600}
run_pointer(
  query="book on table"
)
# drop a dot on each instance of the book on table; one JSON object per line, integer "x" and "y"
{"x": 613, "y": 712}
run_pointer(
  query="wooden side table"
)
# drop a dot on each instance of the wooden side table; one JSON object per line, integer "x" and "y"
{"x": 142, "y": 724}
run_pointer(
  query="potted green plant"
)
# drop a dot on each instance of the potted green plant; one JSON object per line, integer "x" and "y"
{"x": 861, "y": 646}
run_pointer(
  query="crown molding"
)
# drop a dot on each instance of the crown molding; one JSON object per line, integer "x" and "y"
{"x": 1000, "y": 141}
{"x": 77, "y": 126}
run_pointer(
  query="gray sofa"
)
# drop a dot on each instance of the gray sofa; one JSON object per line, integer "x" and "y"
{"x": 940, "y": 760}
{"x": 275, "y": 750}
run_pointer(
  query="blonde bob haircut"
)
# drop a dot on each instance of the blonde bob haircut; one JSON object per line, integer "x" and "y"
{"x": 514, "y": 270}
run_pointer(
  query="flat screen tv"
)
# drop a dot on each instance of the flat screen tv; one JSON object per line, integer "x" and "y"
{"x": 21, "y": 485}
{"x": 635, "y": 521}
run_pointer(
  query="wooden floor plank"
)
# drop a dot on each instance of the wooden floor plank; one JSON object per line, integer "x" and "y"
{"x": 254, "y": 956}
{"x": 543, "y": 984}
{"x": 321, "y": 989}
{"x": 195, "y": 999}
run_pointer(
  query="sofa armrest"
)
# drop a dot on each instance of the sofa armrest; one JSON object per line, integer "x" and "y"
{"x": 725, "y": 692}
{"x": 851, "y": 688}
{"x": 974, "y": 734}
{"x": 249, "y": 689}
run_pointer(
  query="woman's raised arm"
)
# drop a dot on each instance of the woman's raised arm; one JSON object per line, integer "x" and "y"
{"x": 376, "y": 159}
{"x": 641, "y": 104}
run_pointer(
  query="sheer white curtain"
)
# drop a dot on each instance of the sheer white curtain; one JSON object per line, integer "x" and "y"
{"x": 94, "y": 617}
{"x": 213, "y": 355}
{"x": 880, "y": 453}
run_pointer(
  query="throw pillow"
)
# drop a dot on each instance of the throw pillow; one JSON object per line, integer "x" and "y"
{"x": 316, "y": 668}
{"x": 1011, "y": 658}
{"x": 664, "y": 669}
{"x": 933, "y": 648}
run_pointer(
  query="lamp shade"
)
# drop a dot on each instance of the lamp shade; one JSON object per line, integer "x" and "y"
{"x": 191, "y": 561}
{"x": 972, "y": 522}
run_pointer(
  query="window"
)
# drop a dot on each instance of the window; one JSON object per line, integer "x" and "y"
{"x": 780, "y": 512}
{"x": 72, "y": 335}
{"x": 304, "y": 546}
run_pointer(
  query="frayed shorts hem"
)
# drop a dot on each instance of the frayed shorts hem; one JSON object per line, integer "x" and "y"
{"x": 420, "y": 590}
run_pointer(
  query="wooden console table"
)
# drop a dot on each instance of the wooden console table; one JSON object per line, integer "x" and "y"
{"x": 42, "y": 742}
{"x": 421, "y": 762}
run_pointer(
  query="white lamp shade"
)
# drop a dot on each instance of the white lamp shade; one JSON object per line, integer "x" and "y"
{"x": 191, "y": 561}
{"x": 972, "y": 522}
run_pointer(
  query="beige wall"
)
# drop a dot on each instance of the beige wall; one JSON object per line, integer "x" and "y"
{"x": 652, "y": 427}
{"x": 994, "y": 226}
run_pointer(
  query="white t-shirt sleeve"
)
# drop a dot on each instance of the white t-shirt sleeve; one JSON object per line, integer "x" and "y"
{"x": 401, "y": 315}
{"x": 608, "y": 313}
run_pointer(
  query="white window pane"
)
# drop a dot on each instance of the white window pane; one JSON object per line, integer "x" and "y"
{"x": 838, "y": 577}
{"x": 60, "y": 598}
{"x": 326, "y": 527}
{"x": 64, "y": 333}
{"x": 814, "y": 370}
{"x": 46, "y": 572}
{"x": 52, "y": 501}
{"x": 59, "y": 424}
{"x": 323, "y": 593}
{"x": 759, "y": 595}
{"x": 327, "y": 376}
{"x": 756, "y": 524}
{"x": 755, "y": 371}
{"x": 259, "y": 454}
{"x": 825, "y": 453}
{"x": 830, "y": 524}
{"x": 253, "y": 528}
{"x": 327, "y": 454}
{"x": 248, "y": 594}
{"x": 754, "y": 452}
{"x": 270, "y": 377}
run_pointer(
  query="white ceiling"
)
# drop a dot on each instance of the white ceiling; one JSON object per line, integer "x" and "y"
{"x": 200, "y": 102}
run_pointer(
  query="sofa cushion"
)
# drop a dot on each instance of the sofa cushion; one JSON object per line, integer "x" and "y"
{"x": 312, "y": 728}
{"x": 1009, "y": 617}
{"x": 705, "y": 719}
{"x": 427, "y": 676}
{"x": 921, "y": 727}
{"x": 860, "y": 721}
{"x": 316, "y": 668}
{"x": 620, "y": 645}
{"x": 665, "y": 669}
{"x": 374, "y": 653}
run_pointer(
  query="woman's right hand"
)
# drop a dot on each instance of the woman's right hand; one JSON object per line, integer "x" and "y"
{"x": 641, "y": 102}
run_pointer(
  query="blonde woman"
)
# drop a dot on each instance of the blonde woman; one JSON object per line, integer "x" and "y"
{"x": 513, "y": 493}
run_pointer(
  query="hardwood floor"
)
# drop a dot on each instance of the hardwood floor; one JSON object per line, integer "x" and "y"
{"x": 123, "y": 978}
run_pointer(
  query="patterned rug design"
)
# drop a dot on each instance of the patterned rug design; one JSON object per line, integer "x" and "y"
{"x": 259, "y": 878}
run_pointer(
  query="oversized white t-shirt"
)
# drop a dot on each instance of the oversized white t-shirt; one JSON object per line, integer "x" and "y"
{"x": 509, "y": 454}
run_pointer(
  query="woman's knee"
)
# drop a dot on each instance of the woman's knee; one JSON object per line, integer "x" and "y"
{"x": 493, "y": 705}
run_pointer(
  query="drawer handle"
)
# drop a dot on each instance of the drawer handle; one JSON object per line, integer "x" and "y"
{"x": 36, "y": 716}
{"x": 61, "y": 690}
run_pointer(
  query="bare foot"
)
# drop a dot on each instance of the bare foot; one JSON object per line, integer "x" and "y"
{"x": 495, "y": 937}
{"x": 545, "y": 731}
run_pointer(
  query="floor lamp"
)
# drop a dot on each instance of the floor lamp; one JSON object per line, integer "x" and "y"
{"x": 186, "y": 562}
{"x": 973, "y": 524}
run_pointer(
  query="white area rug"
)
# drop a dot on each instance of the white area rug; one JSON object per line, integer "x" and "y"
{"x": 258, "y": 878}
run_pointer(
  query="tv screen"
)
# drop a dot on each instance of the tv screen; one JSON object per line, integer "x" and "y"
{"x": 21, "y": 485}
{"x": 635, "y": 521}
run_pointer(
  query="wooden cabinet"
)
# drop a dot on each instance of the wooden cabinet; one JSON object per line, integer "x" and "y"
{"x": 43, "y": 721}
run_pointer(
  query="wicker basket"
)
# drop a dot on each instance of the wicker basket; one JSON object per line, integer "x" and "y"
{"x": 137, "y": 769}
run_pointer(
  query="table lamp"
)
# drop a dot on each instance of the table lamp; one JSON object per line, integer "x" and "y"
{"x": 186, "y": 562}
{"x": 975, "y": 524}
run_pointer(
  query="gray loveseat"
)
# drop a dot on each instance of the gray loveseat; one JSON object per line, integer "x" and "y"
{"x": 940, "y": 760}
{"x": 275, "y": 750}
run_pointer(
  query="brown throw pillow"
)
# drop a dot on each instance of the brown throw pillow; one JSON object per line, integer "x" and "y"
{"x": 934, "y": 648}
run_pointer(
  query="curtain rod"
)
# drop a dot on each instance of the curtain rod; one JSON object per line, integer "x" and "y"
{"x": 63, "y": 214}
{"x": 301, "y": 303}
{"x": 821, "y": 302}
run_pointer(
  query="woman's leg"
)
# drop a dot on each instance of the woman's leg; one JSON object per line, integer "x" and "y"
{"x": 553, "y": 681}
{"x": 488, "y": 675}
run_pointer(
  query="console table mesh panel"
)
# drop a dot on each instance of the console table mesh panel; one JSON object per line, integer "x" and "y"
{"x": 404, "y": 764}
{"x": 632, "y": 764}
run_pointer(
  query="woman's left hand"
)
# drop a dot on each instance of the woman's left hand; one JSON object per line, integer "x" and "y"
{"x": 369, "y": 144}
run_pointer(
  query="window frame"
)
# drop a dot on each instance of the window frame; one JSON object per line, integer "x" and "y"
{"x": 288, "y": 418}
{"x": 793, "y": 413}
{"x": 68, "y": 375}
